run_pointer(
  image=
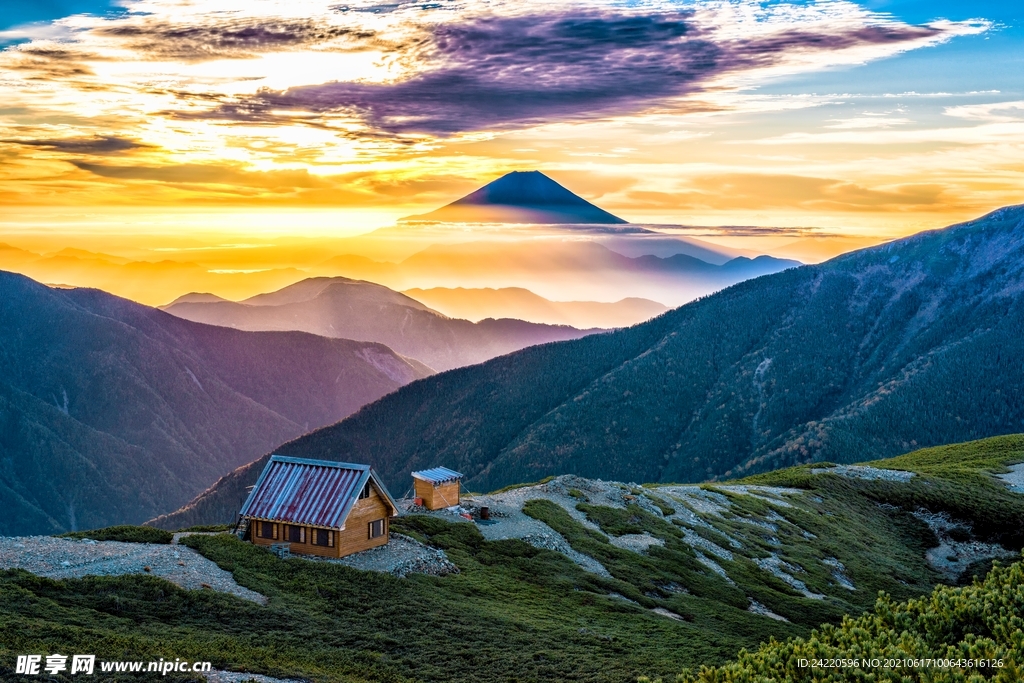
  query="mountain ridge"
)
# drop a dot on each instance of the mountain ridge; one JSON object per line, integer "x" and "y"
{"x": 112, "y": 412}
{"x": 868, "y": 355}
{"x": 345, "y": 308}
{"x": 521, "y": 303}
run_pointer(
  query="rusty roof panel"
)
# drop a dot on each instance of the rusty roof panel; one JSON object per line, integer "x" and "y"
{"x": 313, "y": 492}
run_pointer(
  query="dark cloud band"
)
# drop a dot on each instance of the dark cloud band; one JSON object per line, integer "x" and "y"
{"x": 495, "y": 73}
{"x": 234, "y": 39}
{"x": 99, "y": 145}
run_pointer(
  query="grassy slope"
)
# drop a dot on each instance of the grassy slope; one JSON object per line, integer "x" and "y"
{"x": 983, "y": 622}
{"x": 519, "y": 613}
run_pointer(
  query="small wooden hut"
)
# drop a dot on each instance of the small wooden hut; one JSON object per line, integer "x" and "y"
{"x": 438, "y": 487}
{"x": 318, "y": 507}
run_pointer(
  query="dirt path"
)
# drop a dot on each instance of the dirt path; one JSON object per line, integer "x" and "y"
{"x": 65, "y": 558}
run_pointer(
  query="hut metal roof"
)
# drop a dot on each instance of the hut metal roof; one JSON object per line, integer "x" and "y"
{"x": 437, "y": 475}
{"x": 310, "y": 492}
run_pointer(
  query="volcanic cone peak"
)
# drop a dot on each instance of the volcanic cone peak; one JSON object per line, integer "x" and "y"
{"x": 521, "y": 197}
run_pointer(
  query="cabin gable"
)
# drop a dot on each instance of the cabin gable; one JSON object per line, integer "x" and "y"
{"x": 319, "y": 508}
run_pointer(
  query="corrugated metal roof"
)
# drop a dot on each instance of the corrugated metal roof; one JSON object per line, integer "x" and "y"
{"x": 312, "y": 492}
{"x": 437, "y": 475}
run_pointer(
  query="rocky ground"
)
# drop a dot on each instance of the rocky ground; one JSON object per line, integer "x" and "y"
{"x": 401, "y": 556}
{"x": 236, "y": 677}
{"x": 690, "y": 507}
{"x": 864, "y": 472}
{"x": 956, "y": 551}
{"x": 65, "y": 558}
{"x": 1014, "y": 478}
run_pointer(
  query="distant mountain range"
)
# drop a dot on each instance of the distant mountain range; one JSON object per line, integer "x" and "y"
{"x": 113, "y": 412}
{"x": 516, "y": 302}
{"x": 559, "y": 269}
{"x": 521, "y": 197}
{"x": 872, "y": 354}
{"x": 353, "y": 309}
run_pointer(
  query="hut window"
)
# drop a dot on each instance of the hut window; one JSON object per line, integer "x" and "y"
{"x": 377, "y": 528}
{"x": 294, "y": 534}
{"x": 365, "y": 493}
{"x": 267, "y": 530}
{"x": 322, "y": 537}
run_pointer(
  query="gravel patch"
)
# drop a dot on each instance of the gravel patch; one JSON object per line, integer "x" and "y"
{"x": 864, "y": 472}
{"x": 758, "y": 608}
{"x": 1014, "y": 478}
{"x": 216, "y": 676}
{"x": 552, "y": 540}
{"x": 715, "y": 567}
{"x": 692, "y": 539}
{"x": 698, "y": 500}
{"x": 952, "y": 557}
{"x": 783, "y": 570}
{"x": 769, "y": 494}
{"x": 510, "y": 522}
{"x": 767, "y": 526}
{"x": 667, "y": 613}
{"x": 400, "y": 557}
{"x": 839, "y": 573}
{"x": 65, "y": 558}
{"x": 638, "y": 543}
{"x": 619, "y": 596}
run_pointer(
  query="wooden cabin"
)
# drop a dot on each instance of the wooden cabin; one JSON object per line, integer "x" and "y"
{"x": 318, "y": 507}
{"x": 438, "y": 487}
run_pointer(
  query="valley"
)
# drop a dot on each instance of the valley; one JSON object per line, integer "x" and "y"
{"x": 869, "y": 355}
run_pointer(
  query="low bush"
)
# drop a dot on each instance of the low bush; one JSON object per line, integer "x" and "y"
{"x": 125, "y": 533}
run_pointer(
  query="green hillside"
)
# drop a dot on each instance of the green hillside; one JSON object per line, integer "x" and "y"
{"x": 516, "y": 612}
{"x": 873, "y": 354}
{"x": 976, "y": 633}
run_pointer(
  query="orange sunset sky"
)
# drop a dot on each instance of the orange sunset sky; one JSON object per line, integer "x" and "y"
{"x": 146, "y": 128}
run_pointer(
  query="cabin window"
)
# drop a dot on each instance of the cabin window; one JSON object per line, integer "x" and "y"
{"x": 267, "y": 530}
{"x": 365, "y": 493}
{"x": 322, "y": 537}
{"x": 377, "y": 528}
{"x": 294, "y": 534}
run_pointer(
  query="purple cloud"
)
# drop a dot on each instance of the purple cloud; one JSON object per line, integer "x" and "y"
{"x": 229, "y": 39}
{"x": 504, "y": 72}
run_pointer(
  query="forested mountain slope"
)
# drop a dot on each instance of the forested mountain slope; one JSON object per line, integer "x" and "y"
{"x": 913, "y": 343}
{"x": 113, "y": 412}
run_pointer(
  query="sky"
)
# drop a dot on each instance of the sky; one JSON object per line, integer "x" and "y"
{"x": 874, "y": 118}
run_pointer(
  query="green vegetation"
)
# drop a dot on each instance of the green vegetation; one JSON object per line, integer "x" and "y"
{"x": 516, "y": 612}
{"x": 957, "y": 479}
{"x": 984, "y": 621}
{"x": 125, "y": 533}
{"x": 513, "y": 487}
{"x": 207, "y": 528}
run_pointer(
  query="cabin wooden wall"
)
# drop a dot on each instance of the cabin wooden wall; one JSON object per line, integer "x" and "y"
{"x": 356, "y": 535}
{"x": 437, "y": 497}
{"x": 306, "y": 548}
{"x": 353, "y": 538}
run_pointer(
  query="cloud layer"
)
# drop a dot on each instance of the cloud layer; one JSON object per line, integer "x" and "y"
{"x": 496, "y": 73}
{"x": 316, "y": 102}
